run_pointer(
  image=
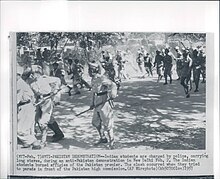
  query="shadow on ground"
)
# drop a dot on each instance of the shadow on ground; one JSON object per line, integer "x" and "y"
{"x": 148, "y": 115}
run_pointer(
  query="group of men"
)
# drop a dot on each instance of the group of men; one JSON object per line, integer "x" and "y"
{"x": 188, "y": 62}
{"x": 39, "y": 87}
{"x": 38, "y": 93}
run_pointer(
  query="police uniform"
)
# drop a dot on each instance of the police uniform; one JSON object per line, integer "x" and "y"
{"x": 45, "y": 54}
{"x": 104, "y": 91}
{"x": 179, "y": 64}
{"x": 186, "y": 74}
{"x": 121, "y": 66}
{"x": 148, "y": 64}
{"x": 140, "y": 60}
{"x": 107, "y": 64}
{"x": 202, "y": 57}
{"x": 197, "y": 64}
{"x": 167, "y": 66}
{"x": 45, "y": 88}
{"x": 159, "y": 64}
{"x": 26, "y": 113}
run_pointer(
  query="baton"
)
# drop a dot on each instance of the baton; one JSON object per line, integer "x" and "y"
{"x": 48, "y": 97}
{"x": 93, "y": 108}
{"x": 83, "y": 112}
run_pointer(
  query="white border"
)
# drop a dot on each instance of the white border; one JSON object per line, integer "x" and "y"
{"x": 103, "y": 16}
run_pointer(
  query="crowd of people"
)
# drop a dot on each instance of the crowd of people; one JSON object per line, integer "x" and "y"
{"x": 40, "y": 81}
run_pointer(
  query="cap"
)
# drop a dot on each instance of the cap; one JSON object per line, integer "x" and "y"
{"x": 20, "y": 70}
{"x": 93, "y": 65}
{"x": 37, "y": 69}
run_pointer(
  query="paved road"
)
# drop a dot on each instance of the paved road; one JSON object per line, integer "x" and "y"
{"x": 148, "y": 115}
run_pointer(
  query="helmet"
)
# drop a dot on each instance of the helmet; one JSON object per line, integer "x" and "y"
{"x": 93, "y": 65}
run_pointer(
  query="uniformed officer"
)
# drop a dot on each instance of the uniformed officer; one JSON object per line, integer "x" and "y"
{"x": 45, "y": 54}
{"x": 197, "y": 64}
{"x": 91, "y": 68}
{"x": 140, "y": 59}
{"x": 38, "y": 54}
{"x": 45, "y": 89}
{"x": 159, "y": 65}
{"x": 121, "y": 66}
{"x": 167, "y": 66}
{"x": 186, "y": 73}
{"x": 178, "y": 58}
{"x": 26, "y": 113}
{"x": 202, "y": 57}
{"x": 108, "y": 66}
{"x": 103, "y": 93}
{"x": 148, "y": 64}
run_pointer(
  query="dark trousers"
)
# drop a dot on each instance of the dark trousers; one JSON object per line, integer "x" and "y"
{"x": 186, "y": 82}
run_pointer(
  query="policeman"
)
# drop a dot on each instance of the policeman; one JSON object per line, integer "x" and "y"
{"x": 148, "y": 64}
{"x": 38, "y": 54}
{"x": 91, "y": 68}
{"x": 45, "y": 54}
{"x": 26, "y": 113}
{"x": 140, "y": 59}
{"x": 196, "y": 68}
{"x": 159, "y": 64}
{"x": 107, "y": 64}
{"x": 186, "y": 73}
{"x": 121, "y": 66}
{"x": 202, "y": 57}
{"x": 167, "y": 66}
{"x": 178, "y": 58}
{"x": 103, "y": 93}
{"x": 45, "y": 89}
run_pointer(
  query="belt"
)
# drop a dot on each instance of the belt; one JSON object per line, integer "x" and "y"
{"x": 23, "y": 103}
{"x": 45, "y": 95}
{"x": 101, "y": 93}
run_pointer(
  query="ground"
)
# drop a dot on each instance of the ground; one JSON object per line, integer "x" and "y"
{"x": 148, "y": 115}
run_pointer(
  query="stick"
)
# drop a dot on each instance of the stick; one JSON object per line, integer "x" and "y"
{"x": 92, "y": 108}
{"x": 83, "y": 112}
{"x": 48, "y": 97}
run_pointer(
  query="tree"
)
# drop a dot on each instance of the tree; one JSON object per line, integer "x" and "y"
{"x": 190, "y": 37}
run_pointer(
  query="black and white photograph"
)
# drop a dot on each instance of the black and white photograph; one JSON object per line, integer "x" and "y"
{"x": 105, "y": 89}
{"x": 111, "y": 90}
